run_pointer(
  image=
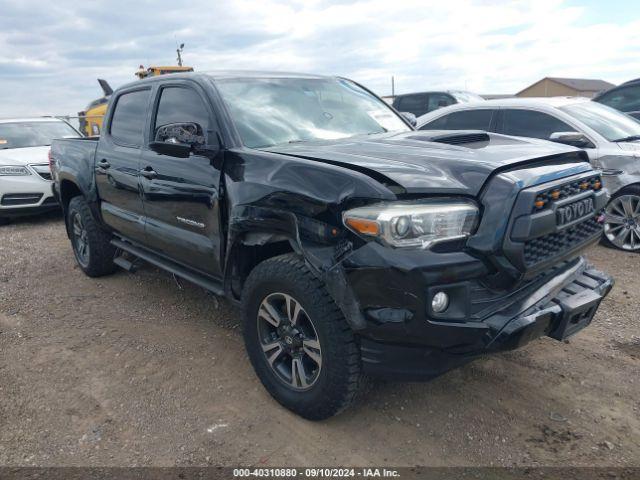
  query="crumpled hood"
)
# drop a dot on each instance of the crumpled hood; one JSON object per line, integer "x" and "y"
{"x": 24, "y": 156}
{"x": 419, "y": 165}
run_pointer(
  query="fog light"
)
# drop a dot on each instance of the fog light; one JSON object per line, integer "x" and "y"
{"x": 440, "y": 302}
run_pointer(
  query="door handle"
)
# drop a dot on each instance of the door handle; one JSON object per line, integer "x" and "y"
{"x": 104, "y": 164}
{"x": 149, "y": 173}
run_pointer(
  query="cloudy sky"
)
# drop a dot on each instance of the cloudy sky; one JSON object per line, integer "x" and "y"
{"x": 51, "y": 53}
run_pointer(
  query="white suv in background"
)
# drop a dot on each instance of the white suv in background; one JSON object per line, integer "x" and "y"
{"x": 25, "y": 178}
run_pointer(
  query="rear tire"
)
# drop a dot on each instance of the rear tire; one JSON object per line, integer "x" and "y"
{"x": 622, "y": 220}
{"x": 91, "y": 244}
{"x": 310, "y": 361}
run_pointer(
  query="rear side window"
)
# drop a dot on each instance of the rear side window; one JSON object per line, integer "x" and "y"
{"x": 624, "y": 99}
{"x": 416, "y": 104}
{"x": 181, "y": 105}
{"x": 127, "y": 122}
{"x": 463, "y": 120}
{"x": 527, "y": 123}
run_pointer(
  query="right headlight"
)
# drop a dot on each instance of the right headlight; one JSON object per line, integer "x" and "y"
{"x": 416, "y": 224}
{"x": 14, "y": 171}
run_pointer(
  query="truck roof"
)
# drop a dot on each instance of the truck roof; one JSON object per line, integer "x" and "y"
{"x": 227, "y": 74}
{"x": 29, "y": 119}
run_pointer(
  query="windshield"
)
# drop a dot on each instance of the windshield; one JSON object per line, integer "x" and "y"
{"x": 269, "y": 112}
{"x": 464, "y": 97}
{"x": 610, "y": 123}
{"x": 33, "y": 134}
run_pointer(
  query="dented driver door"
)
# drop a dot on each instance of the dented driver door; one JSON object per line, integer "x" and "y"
{"x": 181, "y": 195}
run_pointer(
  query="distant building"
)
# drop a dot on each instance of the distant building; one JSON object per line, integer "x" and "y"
{"x": 561, "y": 87}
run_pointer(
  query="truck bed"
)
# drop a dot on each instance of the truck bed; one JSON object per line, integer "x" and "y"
{"x": 73, "y": 160}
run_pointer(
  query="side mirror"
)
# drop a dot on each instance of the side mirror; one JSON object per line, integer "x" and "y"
{"x": 410, "y": 117}
{"x": 575, "y": 139}
{"x": 178, "y": 139}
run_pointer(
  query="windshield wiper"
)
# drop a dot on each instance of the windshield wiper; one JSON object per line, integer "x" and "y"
{"x": 630, "y": 138}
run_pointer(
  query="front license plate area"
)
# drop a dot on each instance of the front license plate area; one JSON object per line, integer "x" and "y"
{"x": 577, "y": 312}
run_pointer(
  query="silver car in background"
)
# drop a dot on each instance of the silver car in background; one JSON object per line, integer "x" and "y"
{"x": 611, "y": 139}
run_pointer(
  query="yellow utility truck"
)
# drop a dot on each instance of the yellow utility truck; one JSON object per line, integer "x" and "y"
{"x": 91, "y": 118}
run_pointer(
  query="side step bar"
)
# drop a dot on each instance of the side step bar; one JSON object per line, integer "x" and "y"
{"x": 168, "y": 265}
{"x": 125, "y": 264}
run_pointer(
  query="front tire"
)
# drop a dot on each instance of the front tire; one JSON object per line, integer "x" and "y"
{"x": 4, "y": 221}
{"x": 91, "y": 244}
{"x": 622, "y": 220}
{"x": 298, "y": 341}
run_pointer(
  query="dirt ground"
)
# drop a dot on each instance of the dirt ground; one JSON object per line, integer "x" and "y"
{"x": 131, "y": 370}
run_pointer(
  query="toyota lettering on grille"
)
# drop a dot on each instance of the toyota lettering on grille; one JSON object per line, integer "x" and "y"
{"x": 574, "y": 211}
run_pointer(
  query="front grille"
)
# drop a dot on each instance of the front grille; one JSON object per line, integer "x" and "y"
{"x": 555, "y": 244}
{"x": 542, "y": 232}
{"x": 13, "y": 199}
{"x": 567, "y": 190}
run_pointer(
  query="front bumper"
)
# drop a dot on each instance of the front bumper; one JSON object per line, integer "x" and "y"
{"x": 24, "y": 195}
{"x": 558, "y": 305}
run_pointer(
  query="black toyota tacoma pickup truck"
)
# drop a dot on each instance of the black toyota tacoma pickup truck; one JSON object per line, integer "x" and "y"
{"x": 356, "y": 245}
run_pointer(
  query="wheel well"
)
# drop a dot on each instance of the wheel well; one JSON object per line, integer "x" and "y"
{"x": 68, "y": 190}
{"x": 244, "y": 258}
{"x": 631, "y": 186}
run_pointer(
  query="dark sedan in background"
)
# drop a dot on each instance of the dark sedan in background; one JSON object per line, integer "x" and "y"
{"x": 425, "y": 102}
{"x": 625, "y": 97}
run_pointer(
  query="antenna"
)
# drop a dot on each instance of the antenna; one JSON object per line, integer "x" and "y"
{"x": 179, "y": 52}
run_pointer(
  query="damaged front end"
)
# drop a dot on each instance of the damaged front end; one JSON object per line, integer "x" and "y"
{"x": 514, "y": 277}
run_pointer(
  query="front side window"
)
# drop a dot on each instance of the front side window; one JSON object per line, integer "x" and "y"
{"x": 625, "y": 99}
{"x": 610, "y": 123}
{"x": 462, "y": 120}
{"x": 181, "y": 105}
{"x": 276, "y": 111}
{"x": 33, "y": 134}
{"x": 528, "y": 123}
{"x": 127, "y": 122}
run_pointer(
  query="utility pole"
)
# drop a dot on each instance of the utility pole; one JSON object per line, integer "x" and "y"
{"x": 393, "y": 86}
{"x": 179, "y": 52}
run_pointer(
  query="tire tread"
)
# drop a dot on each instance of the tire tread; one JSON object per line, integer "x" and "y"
{"x": 344, "y": 387}
{"x": 101, "y": 252}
